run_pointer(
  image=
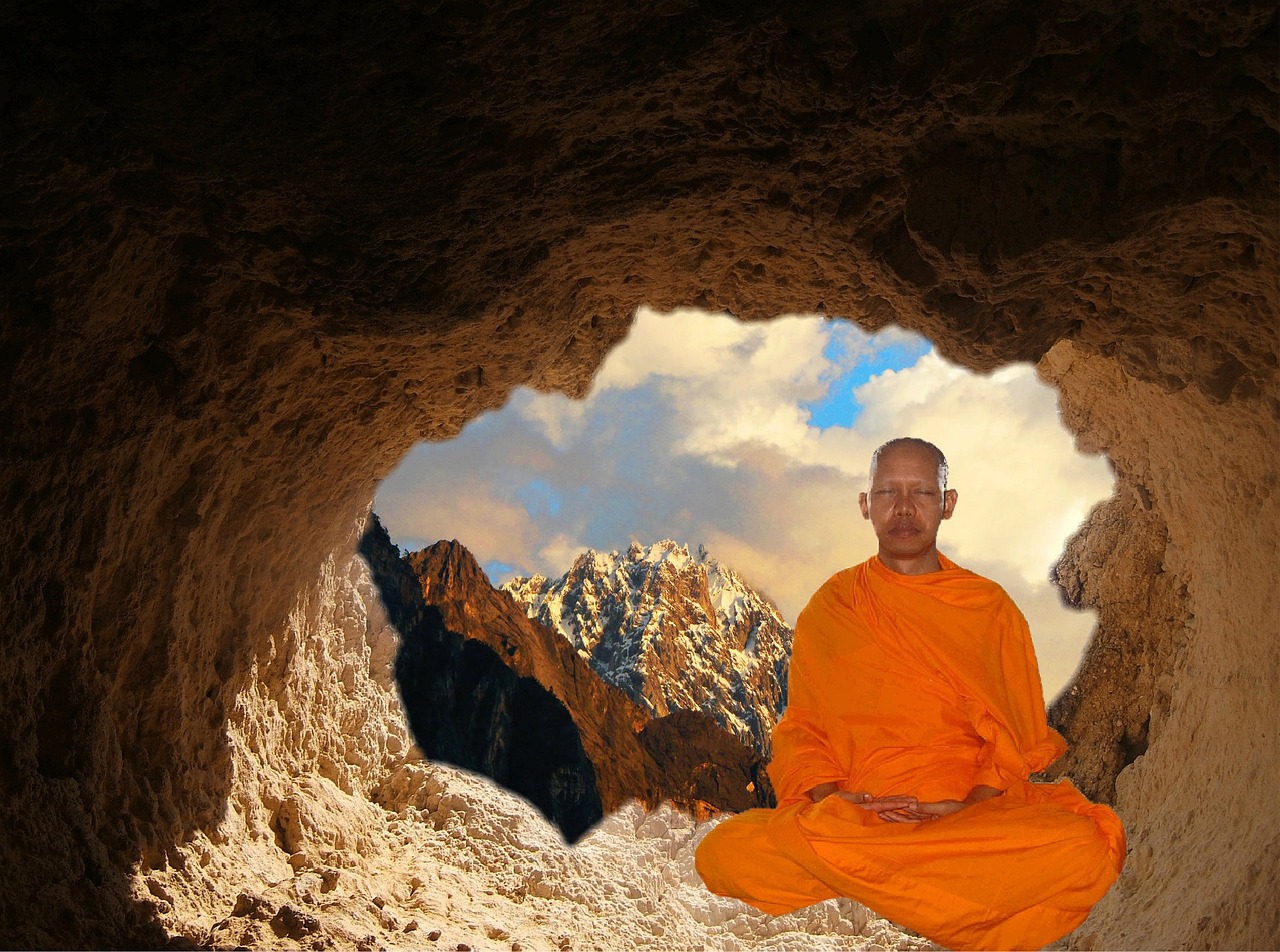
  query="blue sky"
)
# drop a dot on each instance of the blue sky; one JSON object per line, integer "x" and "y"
{"x": 840, "y": 406}
{"x": 754, "y": 439}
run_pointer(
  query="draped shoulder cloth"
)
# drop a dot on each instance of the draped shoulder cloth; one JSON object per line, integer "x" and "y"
{"x": 877, "y": 657}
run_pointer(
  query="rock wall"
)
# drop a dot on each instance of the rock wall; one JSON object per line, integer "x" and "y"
{"x": 250, "y": 255}
{"x": 311, "y": 812}
{"x": 1181, "y": 677}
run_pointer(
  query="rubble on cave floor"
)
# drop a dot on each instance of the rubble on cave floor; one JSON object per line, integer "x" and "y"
{"x": 463, "y": 863}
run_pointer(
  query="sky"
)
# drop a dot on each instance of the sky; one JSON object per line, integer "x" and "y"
{"x": 754, "y": 440}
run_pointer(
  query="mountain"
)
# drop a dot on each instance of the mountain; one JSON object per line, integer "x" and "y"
{"x": 486, "y": 688}
{"x": 674, "y": 631}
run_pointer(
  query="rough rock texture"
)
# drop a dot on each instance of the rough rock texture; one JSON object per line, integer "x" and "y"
{"x": 251, "y": 253}
{"x": 532, "y": 713}
{"x": 1181, "y": 681}
{"x": 1142, "y": 630}
{"x": 676, "y": 632}
{"x": 382, "y": 851}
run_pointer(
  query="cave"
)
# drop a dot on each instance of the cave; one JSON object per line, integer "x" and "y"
{"x": 253, "y": 253}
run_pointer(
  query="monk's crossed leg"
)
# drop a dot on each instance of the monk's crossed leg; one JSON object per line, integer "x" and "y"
{"x": 738, "y": 859}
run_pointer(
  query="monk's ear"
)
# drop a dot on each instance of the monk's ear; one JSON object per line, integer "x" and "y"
{"x": 862, "y": 504}
{"x": 949, "y": 503}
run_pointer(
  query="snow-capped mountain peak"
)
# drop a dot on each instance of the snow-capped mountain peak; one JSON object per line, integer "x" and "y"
{"x": 675, "y": 630}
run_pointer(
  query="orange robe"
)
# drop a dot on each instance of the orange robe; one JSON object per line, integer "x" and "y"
{"x": 923, "y": 685}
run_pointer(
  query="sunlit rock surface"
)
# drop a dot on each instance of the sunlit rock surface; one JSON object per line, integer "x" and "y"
{"x": 488, "y": 689}
{"x": 252, "y": 254}
{"x": 387, "y": 851}
{"x": 677, "y": 631}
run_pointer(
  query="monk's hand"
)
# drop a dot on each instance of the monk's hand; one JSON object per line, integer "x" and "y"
{"x": 933, "y": 809}
{"x": 896, "y": 808}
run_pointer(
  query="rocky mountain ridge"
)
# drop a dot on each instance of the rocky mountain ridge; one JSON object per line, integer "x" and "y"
{"x": 674, "y": 630}
{"x": 489, "y": 689}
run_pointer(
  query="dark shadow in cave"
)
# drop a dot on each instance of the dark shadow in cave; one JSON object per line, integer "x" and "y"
{"x": 467, "y": 708}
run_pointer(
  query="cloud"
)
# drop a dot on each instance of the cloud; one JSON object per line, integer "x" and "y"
{"x": 1022, "y": 485}
{"x": 698, "y": 428}
{"x": 728, "y": 383}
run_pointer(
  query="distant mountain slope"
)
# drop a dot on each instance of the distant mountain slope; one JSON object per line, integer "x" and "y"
{"x": 489, "y": 689}
{"x": 674, "y": 631}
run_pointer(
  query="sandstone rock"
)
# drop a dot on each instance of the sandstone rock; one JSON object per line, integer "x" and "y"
{"x": 293, "y": 923}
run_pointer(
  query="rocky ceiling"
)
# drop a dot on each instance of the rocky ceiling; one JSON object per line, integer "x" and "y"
{"x": 253, "y": 252}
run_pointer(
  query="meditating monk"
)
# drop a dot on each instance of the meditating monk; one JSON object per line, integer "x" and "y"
{"x": 915, "y": 717}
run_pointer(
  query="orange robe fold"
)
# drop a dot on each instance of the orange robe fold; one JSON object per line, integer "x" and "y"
{"x": 924, "y": 685}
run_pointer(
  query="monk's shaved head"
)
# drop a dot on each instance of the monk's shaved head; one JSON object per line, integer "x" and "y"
{"x": 916, "y": 443}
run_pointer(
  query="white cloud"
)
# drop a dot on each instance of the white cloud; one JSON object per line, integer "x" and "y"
{"x": 560, "y": 550}
{"x": 695, "y": 429}
{"x": 689, "y": 347}
{"x": 558, "y": 418}
{"x": 728, "y": 383}
{"x": 470, "y": 512}
{"x": 1016, "y": 470}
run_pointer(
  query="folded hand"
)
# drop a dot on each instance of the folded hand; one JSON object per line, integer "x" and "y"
{"x": 896, "y": 808}
{"x": 907, "y": 809}
{"x": 904, "y": 808}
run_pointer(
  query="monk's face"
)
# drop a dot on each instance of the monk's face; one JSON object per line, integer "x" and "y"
{"x": 906, "y": 505}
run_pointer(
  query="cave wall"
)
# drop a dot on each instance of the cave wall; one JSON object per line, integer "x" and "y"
{"x": 251, "y": 256}
{"x": 1180, "y": 680}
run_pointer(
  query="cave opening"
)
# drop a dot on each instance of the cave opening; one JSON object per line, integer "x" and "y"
{"x": 751, "y": 440}
{"x": 700, "y": 437}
